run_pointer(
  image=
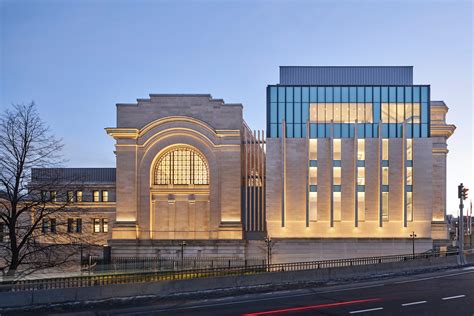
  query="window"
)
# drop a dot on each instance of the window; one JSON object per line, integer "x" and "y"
{"x": 95, "y": 196}
{"x": 70, "y": 225}
{"x": 313, "y": 175}
{"x": 360, "y": 175}
{"x": 336, "y": 149}
{"x": 384, "y": 175}
{"x": 78, "y": 225}
{"x": 336, "y": 205}
{"x": 385, "y": 149}
{"x": 79, "y": 196}
{"x": 96, "y": 225}
{"x": 52, "y": 195}
{"x": 105, "y": 225}
{"x": 313, "y": 206}
{"x": 409, "y": 149}
{"x": 385, "y": 206}
{"x": 105, "y": 196}
{"x": 70, "y": 196}
{"x": 45, "y": 226}
{"x": 409, "y": 202}
{"x": 337, "y": 176}
{"x": 409, "y": 176}
{"x": 44, "y": 196}
{"x": 361, "y": 149}
{"x": 181, "y": 165}
{"x": 53, "y": 225}
{"x": 100, "y": 225}
{"x": 4, "y": 233}
{"x": 313, "y": 149}
{"x": 361, "y": 206}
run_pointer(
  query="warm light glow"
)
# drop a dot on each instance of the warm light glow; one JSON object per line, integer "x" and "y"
{"x": 337, "y": 205}
{"x": 313, "y": 149}
{"x": 336, "y": 149}
{"x": 361, "y": 149}
{"x": 361, "y": 206}
{"x": 385, "y": 149}
{"x": 337, "y": 176}
{"x": 341, "y": 112}
{"x": 313, "y": 206}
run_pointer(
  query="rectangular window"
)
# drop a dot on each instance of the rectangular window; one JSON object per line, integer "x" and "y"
{"x": 70, "y": 225}
{"x": 53, "y": 225}
{"x": 336, "y": 175}
{"x": 360, "y": 176}
{"x": 96, "y": 196}
{"x": 70, "y": 196}
{"x": 79, "y": 196}
{"x": 416, "y": 113}
{"x": 409, "y": 175}
{"x": 400, "y": 112}
{"x": 361, "y": 206}
{"x": 78, "y": 225}
{"x": 361, "y": 149}
{"x": 45, "y": 226}
{"x": 96, "y": 225}
{"x": 313, "y": 149}
{"x": 313, "y": 206}
{"x": 4, "y": 233}
{"x": 385, "y": 149}
{"x": 409, "y": 149}
{"x": 105, "y": 196}
{"x": 385, "y": 112}
{"x": 105, "y": 225}
{"x": 44, "y": 196}
{"x": 337, "y": 205}
{"x": 53, "y": 195}
{"x": 409, "y": 206}
{"x": 336, "y": 149}
{"x": 313, "y": 175}
{"x": 384, "y": 175}
{"x": 385, "y": 206}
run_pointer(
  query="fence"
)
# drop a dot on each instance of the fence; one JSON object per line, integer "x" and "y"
{"x": 95, "y": 263}
{"x": 126, "y": 278}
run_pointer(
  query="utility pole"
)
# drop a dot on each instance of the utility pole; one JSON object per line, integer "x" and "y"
{"x": 462, "y": 195}
{"x": 182, "y": 245}
{"x": 413, "y": 236}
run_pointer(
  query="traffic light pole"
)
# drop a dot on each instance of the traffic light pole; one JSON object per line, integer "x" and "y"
{"x": 462, "y": 195}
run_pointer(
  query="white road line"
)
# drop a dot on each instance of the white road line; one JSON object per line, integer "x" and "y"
{"x": 468, "y": 268}
{"x": 366, "y": 310}
{"x": 453, "y": 297}
{"x": 435, "y": 277}
{"x": 414, "y": 303}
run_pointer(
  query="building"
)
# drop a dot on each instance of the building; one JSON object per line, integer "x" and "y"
{"x": 353, "y": 161}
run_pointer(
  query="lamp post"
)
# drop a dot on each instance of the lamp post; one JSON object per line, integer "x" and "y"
{"x": 268, "y": 241}
{"x": 182, "y": 245}
{"x": 413, "y": 236}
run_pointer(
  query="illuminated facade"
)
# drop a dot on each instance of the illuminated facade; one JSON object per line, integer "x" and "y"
{"x": 355, "y": 152}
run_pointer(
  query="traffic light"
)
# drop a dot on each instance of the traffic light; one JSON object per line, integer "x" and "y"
{"x": 464, "y": 193}
{"x": 460, "y": 188}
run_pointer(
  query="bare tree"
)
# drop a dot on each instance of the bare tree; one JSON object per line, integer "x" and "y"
{"x": 25, "y": 211}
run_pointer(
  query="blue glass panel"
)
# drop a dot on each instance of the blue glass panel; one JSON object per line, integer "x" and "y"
{"x": 328, "y": 130}
{"x": 424, "y": 112}
{"x": 376, "y": 94}
{"x": 321, "y": 96}
{"x": 424, "y": 130}
{"x": 313, "y": 188}
{"x": 400, "y": 94}
{"x": 321, "y": 130}
{"x": 409, "y": 188}
{"x": 360, "y": 163}
{"x": 360, "y": 94}
{"x": 424, "y": 94}
{"x": 313, "y": 95}
{"x": 392, "y": 130}
{"x": 329, "y": 96}
{"x": 352, "y": 94}
{"x": 303, "y": 130}
{"x": 409, "y": 163}
{"x": 345, "y": 130}
{"x": 273, "y": 112}
{"x": 289, "y": 131}
{"x": 376, "y": 112}
{"x": 281, "y": 112}
{"x": 281, "y": 94}
{"x": 289, "y": 112}
{"x": 385, "y": 188}
{"x": 384, "y": 94}
{"x": 312, "y": 130}
{"x": 408, "y": 94}
{"x": 297, "y": 131}
{"x": 289, "y": 94}
{"x": 399, "y": 130}
{"x": 416, "y": 94}
{"x": 336, "y": 163}
{"x": 409, "y": 130}
{"x": 375, "y": 130}
{"x": 368, "y": 130}
{"x": 416, "y": 130}
{"x": 368, "y": 94}
{"x": 305, "y": 94}
{"x": 345, "y": 94}
{"x": 280, "y": 132}
{"x": 297, "y": 94}
{"x": 273, "y": 94}
{"x": 273, "y": 130}
{"x": 305, "y": 112}
{"x": 360, "y": 131}
{"x": 385, "y": 163}
{"x": 337, "y": 94}
{"x": 337, "y": 130}
{"x": 297, "y": 108}
{"x": 360, "y": 188}
{"x": 336, "y": 188}
{"x": 313, "y": 163}
{"x": 385, "y": 130}
{"x": 392, "y": 94}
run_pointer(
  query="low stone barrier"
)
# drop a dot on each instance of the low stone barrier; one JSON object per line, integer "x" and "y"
{"x": 37, "y": 298}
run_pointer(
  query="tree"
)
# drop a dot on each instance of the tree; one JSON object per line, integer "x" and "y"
{"x": 26, "y": 212}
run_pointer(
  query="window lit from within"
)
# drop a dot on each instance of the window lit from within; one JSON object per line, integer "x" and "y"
{"x": 409, "y": 149}
{"x": 313, "y": 175}
{"x": 313, "y": 149}
{"x": 341, "y": 112}
{"x": 385, "y": 149}
{"x": 337, "y": 205}
{"x": 96, "y": 196}
{"x": 360, "y": 175}
{"x": 361, "y": 206}
{"x": 361, "y": 149}
{"x": 409, "y": 202}
{"x": 79, "y": 196}
{"x": 384, "y": 175}
{"x": 337, "y": 176}
{"x": 96, "y": 225}
{"x": 181, "y": 165}
{"x": 385, "y": 206}
{"x": 336, "y": 149}
{"x": 70, "y": 196}
{"x": 409, "y": 176}
{"x": 105, "y": 196}
{"x": 105, "y": 225}
{"x": 313, "y": 206}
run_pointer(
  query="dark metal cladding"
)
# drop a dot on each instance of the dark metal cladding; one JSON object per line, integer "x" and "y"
{"x": 104, "y": 175}
{"x": 350, "y": 75}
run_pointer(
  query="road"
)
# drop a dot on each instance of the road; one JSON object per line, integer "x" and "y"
{"x": 443, "y": 293}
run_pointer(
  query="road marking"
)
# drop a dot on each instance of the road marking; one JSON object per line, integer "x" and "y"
{"x": 366, "y": 310}
{"x": 468, "y": 268}
{"x": 435, "y": 277}
{"x": 414, "y": 303}
{"x": 453, "y": 297}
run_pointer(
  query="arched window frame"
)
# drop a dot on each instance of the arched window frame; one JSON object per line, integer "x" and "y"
{"x": 181, "y": 165}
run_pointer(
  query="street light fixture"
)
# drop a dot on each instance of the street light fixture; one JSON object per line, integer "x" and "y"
{"x": 413, "y": 236}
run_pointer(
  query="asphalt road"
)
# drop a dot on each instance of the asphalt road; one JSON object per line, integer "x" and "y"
{"x": 443, "y": 293}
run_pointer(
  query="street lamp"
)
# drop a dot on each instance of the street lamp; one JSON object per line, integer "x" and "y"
{"x": 413, "y": 236}
{"x": 182, "y": 245}
{"x": 269, "y": 242}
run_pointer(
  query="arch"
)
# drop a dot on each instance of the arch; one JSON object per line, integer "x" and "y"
{"x": 181, "y": 165}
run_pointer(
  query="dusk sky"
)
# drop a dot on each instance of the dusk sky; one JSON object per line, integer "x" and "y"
{"x": 77, "y": 59}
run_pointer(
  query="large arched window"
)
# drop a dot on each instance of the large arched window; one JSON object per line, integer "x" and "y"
{"x": 181, "y": 165}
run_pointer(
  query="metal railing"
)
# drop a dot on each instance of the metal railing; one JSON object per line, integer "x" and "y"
{"x": 126, "y": 278}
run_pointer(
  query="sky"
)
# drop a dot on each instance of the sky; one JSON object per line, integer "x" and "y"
{"x": 76, "y": 59}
